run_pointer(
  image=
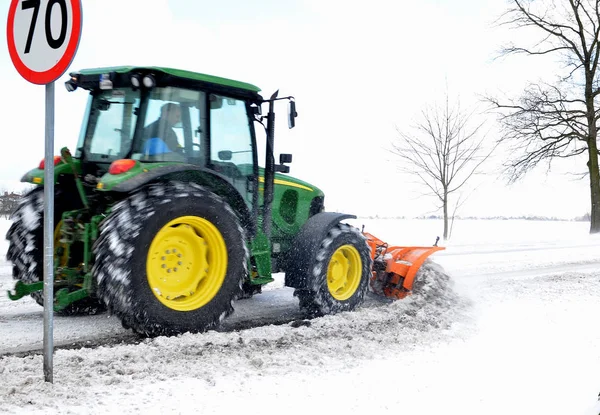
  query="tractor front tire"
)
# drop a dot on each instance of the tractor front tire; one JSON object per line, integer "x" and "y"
{"x": 26, "y": 245}
{"x": 170, "y": 259}
{"x": 339, "y": 277}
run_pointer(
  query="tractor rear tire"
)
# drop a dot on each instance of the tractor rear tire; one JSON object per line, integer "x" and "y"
{"x": 170, "y": 259}
{"x": 339, "y": 277}
{"x": 26, "y": 245}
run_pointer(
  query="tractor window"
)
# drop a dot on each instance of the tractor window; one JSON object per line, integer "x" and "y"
{"x": 172, "y": 128}
{"x": 84, "y": 124}
{"x": 231, "y": 142}
{"x": 231, "y": 150}
{"x": 110, "y": 126}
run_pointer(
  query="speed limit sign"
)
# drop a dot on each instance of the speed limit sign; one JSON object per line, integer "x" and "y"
{"x": 43, "y": 36}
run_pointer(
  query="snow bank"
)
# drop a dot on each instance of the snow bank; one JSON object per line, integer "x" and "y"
{"x": 513, "y": 331}
{"x": 332, "y": 342}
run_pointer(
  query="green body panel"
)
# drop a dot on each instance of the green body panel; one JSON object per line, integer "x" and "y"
{"x": 291, "y": 202}
{"x": 291, "y": 206}
{"x": 36, "y": 176}
{"x": 175, "y": 72}
{"x": 109, "y": 181}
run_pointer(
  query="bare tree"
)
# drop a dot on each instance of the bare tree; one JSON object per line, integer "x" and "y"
{"x": 443, "y": 150}
{"x": 559, "y": 119}
{"x": 8, "y": 202}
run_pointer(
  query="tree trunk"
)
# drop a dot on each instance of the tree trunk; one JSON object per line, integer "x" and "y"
{"x": 593, "y": 155}
{"x": 445, "y": 215}
{"x": 594, "y": 186}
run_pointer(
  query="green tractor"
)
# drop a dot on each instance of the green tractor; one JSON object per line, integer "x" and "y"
{"x": 164, "y": 216}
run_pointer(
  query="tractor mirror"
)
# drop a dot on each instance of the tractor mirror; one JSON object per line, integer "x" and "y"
{"x": 225, "y": 155}
{"x": 256, "y": 110}
{"x": 281, "y": 167}
{"x": 71, "y": 85}
{"x": 292, "y": 114}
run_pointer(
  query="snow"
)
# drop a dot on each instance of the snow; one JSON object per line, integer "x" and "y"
{"x": 513, "y": 331}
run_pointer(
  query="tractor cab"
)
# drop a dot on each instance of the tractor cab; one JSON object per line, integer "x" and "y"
{"x": 156, "y": 116}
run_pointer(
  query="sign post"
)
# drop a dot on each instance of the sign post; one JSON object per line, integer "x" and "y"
{"x": 43, "y": 37}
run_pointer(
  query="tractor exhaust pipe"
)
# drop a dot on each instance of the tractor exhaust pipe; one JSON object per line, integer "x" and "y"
{"x": 269, "y": 168}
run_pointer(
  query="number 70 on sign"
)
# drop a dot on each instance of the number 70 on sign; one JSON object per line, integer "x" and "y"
{"x": 43, "y": 36}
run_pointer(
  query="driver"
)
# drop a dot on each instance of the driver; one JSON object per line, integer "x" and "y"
{"x": 170, "y": 114}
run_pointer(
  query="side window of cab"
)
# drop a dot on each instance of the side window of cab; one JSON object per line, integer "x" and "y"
{"x": 231, "y": 149}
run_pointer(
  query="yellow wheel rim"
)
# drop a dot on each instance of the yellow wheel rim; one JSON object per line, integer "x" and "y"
{"x": 344, "y": 272}
{"x": 187, "y": 263}
{"x": 61, "y": 255}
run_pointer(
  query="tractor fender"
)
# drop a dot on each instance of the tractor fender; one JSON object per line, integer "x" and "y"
{"x": 307, "y": 242}
{"x": 210, "y": 179}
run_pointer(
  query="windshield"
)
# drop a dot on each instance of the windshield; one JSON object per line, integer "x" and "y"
{"x": 170, "y": 124}
{"x": 172, "y": 127}
{"x": 111, "y": 119}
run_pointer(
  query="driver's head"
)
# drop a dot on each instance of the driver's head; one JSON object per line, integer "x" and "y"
{"x": 171, "y": 113}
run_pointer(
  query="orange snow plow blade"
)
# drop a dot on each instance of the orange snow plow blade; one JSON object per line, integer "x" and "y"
{"x": 395, "y": 267}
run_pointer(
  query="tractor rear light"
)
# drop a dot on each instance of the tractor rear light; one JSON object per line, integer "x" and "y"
{"x": 57, "y": 160}
{"x": 121, "y": 166}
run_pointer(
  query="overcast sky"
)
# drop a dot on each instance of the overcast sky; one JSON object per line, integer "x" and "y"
{"x": 356, "y": 68}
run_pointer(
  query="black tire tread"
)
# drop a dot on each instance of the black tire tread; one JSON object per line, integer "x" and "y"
{"x": 115, "y": 246}
{"x": 25, "y": 249}
{"x": 315, "y": 299}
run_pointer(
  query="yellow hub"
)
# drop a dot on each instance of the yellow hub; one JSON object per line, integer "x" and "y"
{"x": 187, "y": 263}
{"x": 344, "y": 272}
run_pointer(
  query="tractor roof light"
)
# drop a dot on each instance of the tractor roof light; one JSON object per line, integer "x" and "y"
{"x": 121, "y": 166}
{"x": 57, "y": 160}
{"x": 149, "y": 81}
{"x": 135, "y": 81}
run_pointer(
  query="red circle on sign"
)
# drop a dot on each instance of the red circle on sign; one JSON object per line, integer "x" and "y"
{"x": 61, "y": 66}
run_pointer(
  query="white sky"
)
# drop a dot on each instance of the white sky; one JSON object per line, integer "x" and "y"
{"x": 357, "y": 69}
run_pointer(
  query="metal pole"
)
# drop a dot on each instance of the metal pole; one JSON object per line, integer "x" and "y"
{"x": 49, "y": 236}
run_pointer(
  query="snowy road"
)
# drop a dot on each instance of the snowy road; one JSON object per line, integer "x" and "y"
{"x": 517, "y": 333}
{"x": 21, "y": 323}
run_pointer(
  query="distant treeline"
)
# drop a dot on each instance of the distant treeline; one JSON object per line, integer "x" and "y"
{"x": 584, "y": 218}
{"x": 10, "y": 200}
{"x": 8, "y": 203}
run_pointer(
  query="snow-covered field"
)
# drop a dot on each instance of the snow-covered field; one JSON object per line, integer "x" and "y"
{"x": 514, "y": 331}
